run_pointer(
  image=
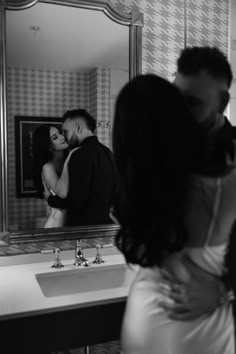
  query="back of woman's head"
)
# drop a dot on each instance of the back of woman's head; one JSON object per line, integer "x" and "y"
{"x": 41, "y": 154}
{"x": 153, "y": 139}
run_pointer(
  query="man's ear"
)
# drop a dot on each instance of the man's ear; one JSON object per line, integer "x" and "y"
{"x": 224, "y": 101}
{"x": 79, "y": 127}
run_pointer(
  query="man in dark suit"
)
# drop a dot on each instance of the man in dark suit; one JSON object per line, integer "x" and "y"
{"x": 204, "y": 76}
{"x": 92, "y": 177}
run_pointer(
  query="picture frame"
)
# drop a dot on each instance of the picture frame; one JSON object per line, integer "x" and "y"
{"x": 24, "y": 130}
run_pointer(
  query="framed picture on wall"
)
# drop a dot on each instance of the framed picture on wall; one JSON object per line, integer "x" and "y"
{"x": 24, "y": 131}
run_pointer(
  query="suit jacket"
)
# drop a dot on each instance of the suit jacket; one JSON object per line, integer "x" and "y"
{"x": 92, "y": 185}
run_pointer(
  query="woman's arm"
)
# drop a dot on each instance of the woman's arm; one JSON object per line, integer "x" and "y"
{"x": 59, "y": 185}
{"x": 62, "y": 185}
{"x": 49, "y": 177}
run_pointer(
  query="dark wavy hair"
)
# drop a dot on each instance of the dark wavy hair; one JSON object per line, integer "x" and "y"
{"x": 155, "y": 140}
{"x": 42, "y": 154}
{"x": 85, "y": 115}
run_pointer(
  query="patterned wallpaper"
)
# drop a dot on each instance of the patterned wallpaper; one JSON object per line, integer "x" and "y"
{"x": 208, "y": 23}
{"x": 103, "y": 104}
{"x": 99, "y": 95}
{"x": 92, "y": 82}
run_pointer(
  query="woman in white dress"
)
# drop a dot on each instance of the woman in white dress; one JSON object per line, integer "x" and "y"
{"x": 171, "y": 214}
{"x": 50, "y": 169}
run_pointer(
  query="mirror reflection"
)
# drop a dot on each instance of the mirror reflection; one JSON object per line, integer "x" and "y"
{"x": 54, "y": 66}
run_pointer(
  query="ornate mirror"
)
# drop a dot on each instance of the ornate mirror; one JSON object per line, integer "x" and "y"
{"x": 56, "y": 55}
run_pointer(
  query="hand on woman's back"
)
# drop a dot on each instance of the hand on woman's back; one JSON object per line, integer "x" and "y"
{"x": 176, "y": 268}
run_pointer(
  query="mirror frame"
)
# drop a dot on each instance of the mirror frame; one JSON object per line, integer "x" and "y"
{"x": 135, "y": 22}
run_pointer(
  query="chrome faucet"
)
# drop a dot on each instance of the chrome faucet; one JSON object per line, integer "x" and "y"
{"x": 79, "y": 256}
{"x": 98, "y": 258}
{"x": 57, "y": 261}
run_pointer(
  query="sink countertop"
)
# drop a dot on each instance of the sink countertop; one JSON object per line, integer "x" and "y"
{"x": 21, "y": 296}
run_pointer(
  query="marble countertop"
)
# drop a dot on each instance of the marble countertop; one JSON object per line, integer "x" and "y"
{"x": 22, "y": 296}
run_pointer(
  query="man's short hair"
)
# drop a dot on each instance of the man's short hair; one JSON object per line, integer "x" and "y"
{"x": 195, "y": 59}
{"x": 85, "y": 115}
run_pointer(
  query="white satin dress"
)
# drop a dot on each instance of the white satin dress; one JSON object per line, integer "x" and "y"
{"x": 55, "y": 217}
{"x": 147, "y": 329}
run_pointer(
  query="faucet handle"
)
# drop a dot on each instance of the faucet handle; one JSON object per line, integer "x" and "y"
{"x": 98, "y": 258}
{"x": 57, "y": 261}
{"x": 107, "y": 245}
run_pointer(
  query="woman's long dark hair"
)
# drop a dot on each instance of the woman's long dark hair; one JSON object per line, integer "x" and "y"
{"x": 155, "y": 141}
{"x": 42, "y": 154}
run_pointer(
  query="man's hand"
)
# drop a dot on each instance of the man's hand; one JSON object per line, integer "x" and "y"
{"x": 201, "y": 295}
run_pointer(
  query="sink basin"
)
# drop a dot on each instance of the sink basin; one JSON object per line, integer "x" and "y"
{"x": 81, "y": 280}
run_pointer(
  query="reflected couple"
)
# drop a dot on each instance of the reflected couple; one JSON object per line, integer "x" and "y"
{"x": 74, "y": 172}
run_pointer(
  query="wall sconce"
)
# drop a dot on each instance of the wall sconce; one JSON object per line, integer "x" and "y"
{"x": 103, "y": 123}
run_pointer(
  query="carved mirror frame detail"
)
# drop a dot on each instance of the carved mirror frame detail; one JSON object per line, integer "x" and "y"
{"x": 135, "y": 22}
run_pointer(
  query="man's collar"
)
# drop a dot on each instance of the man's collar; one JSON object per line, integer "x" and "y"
{"x": 89, "y": 139}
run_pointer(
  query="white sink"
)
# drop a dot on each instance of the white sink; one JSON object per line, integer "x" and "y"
{"x": 80, "y": 280}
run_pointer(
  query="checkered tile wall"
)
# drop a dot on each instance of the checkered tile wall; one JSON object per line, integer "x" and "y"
{"x": 103, "y": 105}
{"x": 92, "y": 82}
{"x": 99, "y": 96}
{"x": 207, "y": 23}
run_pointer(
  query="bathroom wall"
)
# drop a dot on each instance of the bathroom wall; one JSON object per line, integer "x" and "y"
{"x": 99, "y": 97}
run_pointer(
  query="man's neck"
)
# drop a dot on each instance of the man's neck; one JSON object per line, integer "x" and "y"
{"x": 88, "y": 135}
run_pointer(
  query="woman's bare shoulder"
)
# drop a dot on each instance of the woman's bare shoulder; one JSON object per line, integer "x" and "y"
{"x": 48, "y": 168}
